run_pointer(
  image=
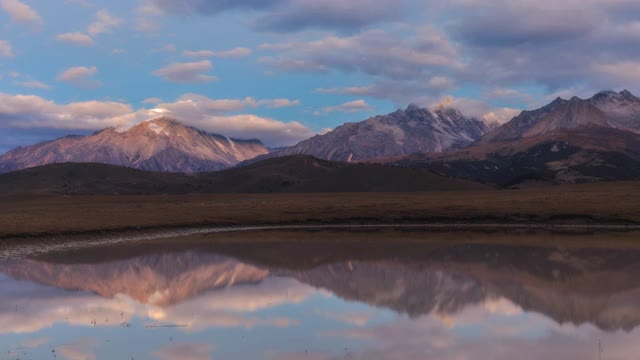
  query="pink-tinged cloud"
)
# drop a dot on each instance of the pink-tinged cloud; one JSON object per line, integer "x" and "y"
{"x": 80, "y": 76}
{"x": 20, "y": 12}
{"x": 76, "y": 38}
{"x": 190, "y": 72}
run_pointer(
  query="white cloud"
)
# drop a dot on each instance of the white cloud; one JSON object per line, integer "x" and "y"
{"x": 21, "y": 13}
{"x": 152, "y": 100}
{"x": 105, "y": 22}
{"x": 349, "y": 107}
{"x": 34, "y": 84}
{"x": 198, "y": 53}
{"x": 75, "y": 38}
{"x": 5, "y": 49}
{"x": 233, "y": 53}
{"x": 190, "y": 72}
{"x": 477, "y": 109}
{"x": 80, "y": 76}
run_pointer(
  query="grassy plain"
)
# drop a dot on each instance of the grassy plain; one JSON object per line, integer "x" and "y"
{"x": 591, "y": 204}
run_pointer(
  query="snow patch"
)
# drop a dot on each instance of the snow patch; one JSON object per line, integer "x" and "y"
{"x": 153, "y": 126}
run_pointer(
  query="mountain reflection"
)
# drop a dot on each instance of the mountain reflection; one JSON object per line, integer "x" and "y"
{"x": 444, "y": 302}
{"x": 598, "y": 287}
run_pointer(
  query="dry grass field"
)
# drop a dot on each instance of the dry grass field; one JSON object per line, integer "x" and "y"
{"x": 601, "y": 203}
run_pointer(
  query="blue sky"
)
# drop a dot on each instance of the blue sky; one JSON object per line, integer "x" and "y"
{"x": 283, "y": 70}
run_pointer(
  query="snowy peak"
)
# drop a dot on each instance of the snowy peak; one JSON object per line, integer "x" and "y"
{"x": 622, "y": 108}
{"x": 160, "y": 144}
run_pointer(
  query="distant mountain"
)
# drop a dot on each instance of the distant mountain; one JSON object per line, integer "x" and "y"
{"x": 566, "y": 141}
{"x": 400, "y": 133}
{"x": 157, "y": 145}
{"x": 291, "y": 174}
{"x": 605, "y": 109}
{"x": 622, "y": 108}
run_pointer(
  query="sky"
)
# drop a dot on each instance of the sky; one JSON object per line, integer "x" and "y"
{"x": 284, "y": 70}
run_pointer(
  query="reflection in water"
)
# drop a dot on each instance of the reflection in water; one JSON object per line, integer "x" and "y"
{"x": 456, "y": 302}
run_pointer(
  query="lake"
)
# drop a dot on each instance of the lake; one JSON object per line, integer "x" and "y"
{"x": 323, "y": 294}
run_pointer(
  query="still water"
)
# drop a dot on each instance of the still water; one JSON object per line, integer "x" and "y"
{"x": 388, "y": 294}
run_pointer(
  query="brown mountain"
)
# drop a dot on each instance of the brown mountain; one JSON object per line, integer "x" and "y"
{"x": 605, "y": 109}
{"x": 567, "y": 141}
{"x": 158, "y": 145}
{"x": 399, "y": 133}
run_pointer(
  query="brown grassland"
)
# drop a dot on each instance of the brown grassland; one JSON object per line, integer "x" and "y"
{"x": 588, "y": 204}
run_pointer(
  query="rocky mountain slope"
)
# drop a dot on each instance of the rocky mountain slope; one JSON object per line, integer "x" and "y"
{"x": 157, "y": 145}
{"x": 399, "y": 133}
{"x": 566, "y": 141}
{"x": 605, "y": 109}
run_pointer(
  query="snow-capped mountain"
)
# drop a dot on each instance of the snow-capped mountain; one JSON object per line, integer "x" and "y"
{"x": 606, "y": 109}
{"x": 161, "y": 144}
{"x": 399, "y": 133}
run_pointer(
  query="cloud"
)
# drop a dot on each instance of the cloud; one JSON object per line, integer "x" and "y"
{"x": 190, "y": 72}
{"x": 5, "y": 49}
{"x": 105, "y": 22}
{"x": 213, "y": 115}
{"x": 295, "y": 15}
{"x": 478, "y": 109}
{"x": 533, "y": 22}
{"x": 21, "y": 13}
{"x": 76, "y": 38}
{"x": 34, "y": 84}
{"x": 403, "y": 67}
{"x": 349, "y": 107}
{"x": 80, "y": 76}
{"x": 374, "y": 52}
{"x": 233, "y": 53}
{"x": 198, "y": 53}
{"x": 84, "y": 3}
{"x": 80, "y": 350}
{"x": 331, "y": 14}
{"x": 272, "y": 132}
{"x": 621, "y": 72}
{"x": 185, "y": 351}
{"x": 152, "y": 100}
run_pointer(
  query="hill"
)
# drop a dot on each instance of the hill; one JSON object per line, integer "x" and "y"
{"x": 294, "y": 174}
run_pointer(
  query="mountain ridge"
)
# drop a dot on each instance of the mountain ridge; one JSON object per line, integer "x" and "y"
{"x": 161, "y": 144}
{"x": 401, "y": 132}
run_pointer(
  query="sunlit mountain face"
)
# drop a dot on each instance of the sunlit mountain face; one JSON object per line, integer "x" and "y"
{"x": 226, "y": 302}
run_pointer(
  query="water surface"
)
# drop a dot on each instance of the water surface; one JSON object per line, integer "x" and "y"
{"x": 379, "y": 294}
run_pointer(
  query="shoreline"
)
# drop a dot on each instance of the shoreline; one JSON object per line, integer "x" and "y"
{"x": 172, "y": 231}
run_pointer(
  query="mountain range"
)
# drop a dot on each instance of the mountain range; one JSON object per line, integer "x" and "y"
{"x": 566, "y": 141}
{"x": 157, "y": 145}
